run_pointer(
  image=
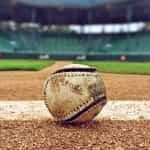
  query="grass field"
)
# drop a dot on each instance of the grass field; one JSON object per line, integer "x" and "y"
{"x": 30, "y": 65}
{"x": 119, "y": 67}
{"x": 102, "y": 66}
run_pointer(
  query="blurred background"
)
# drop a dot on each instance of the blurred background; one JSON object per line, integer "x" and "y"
{"x": 75, "y": 30}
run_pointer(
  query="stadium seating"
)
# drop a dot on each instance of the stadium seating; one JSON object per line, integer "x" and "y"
{"x": 5, "y": 44}
{"x": 74, "y": 44}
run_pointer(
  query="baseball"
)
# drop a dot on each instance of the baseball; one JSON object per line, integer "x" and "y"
{"x": 74, "y": 93}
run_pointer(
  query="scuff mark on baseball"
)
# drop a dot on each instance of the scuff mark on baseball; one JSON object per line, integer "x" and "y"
{"x": 75, "y": 93}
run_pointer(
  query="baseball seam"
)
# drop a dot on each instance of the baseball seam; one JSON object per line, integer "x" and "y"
{"x": 74, "y": 74}
{"x": 86, "y": 109}
{"x": 81, "y": 107}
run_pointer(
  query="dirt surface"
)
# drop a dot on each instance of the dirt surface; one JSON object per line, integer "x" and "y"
{"x": 27, "y": 85}
{"x": 127, "y": 87}
{"x": 47, "y": 135}
{"x": 103, "y": 135}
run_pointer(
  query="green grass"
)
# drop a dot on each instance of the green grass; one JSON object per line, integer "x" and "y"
{"x": 29, "y": 65}
{"x": 119, "y": 67}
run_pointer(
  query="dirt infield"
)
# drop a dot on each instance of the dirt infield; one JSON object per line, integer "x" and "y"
{"x": 23, "y": 85}
{"x": 103, "y": 135}
{"x": 47, "y": 135}
{"x": 127, "y": 87}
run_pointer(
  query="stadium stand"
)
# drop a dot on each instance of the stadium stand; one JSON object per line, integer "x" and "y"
{"x": 75, "y": 44}
{"x": 80, "y": 12}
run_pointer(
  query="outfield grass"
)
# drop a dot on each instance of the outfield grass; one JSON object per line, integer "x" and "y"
{"x": 29, "y": 65}
{"x": 119, "y": 67}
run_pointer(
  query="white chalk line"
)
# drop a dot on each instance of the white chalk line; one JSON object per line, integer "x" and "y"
{"x": 114, "y": 110}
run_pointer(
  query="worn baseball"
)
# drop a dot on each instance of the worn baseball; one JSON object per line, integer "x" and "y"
{"x": 74, "y": 93}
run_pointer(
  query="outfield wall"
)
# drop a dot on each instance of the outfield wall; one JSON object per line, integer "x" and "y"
{"x": 75, "y": 57}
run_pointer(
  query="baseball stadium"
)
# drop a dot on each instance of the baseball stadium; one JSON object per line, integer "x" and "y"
{"x": 47, "y": 46}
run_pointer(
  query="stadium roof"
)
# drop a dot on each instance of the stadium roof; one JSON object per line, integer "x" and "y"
{"x": 66, "y": 3}
{"x": 75, "y": 11}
